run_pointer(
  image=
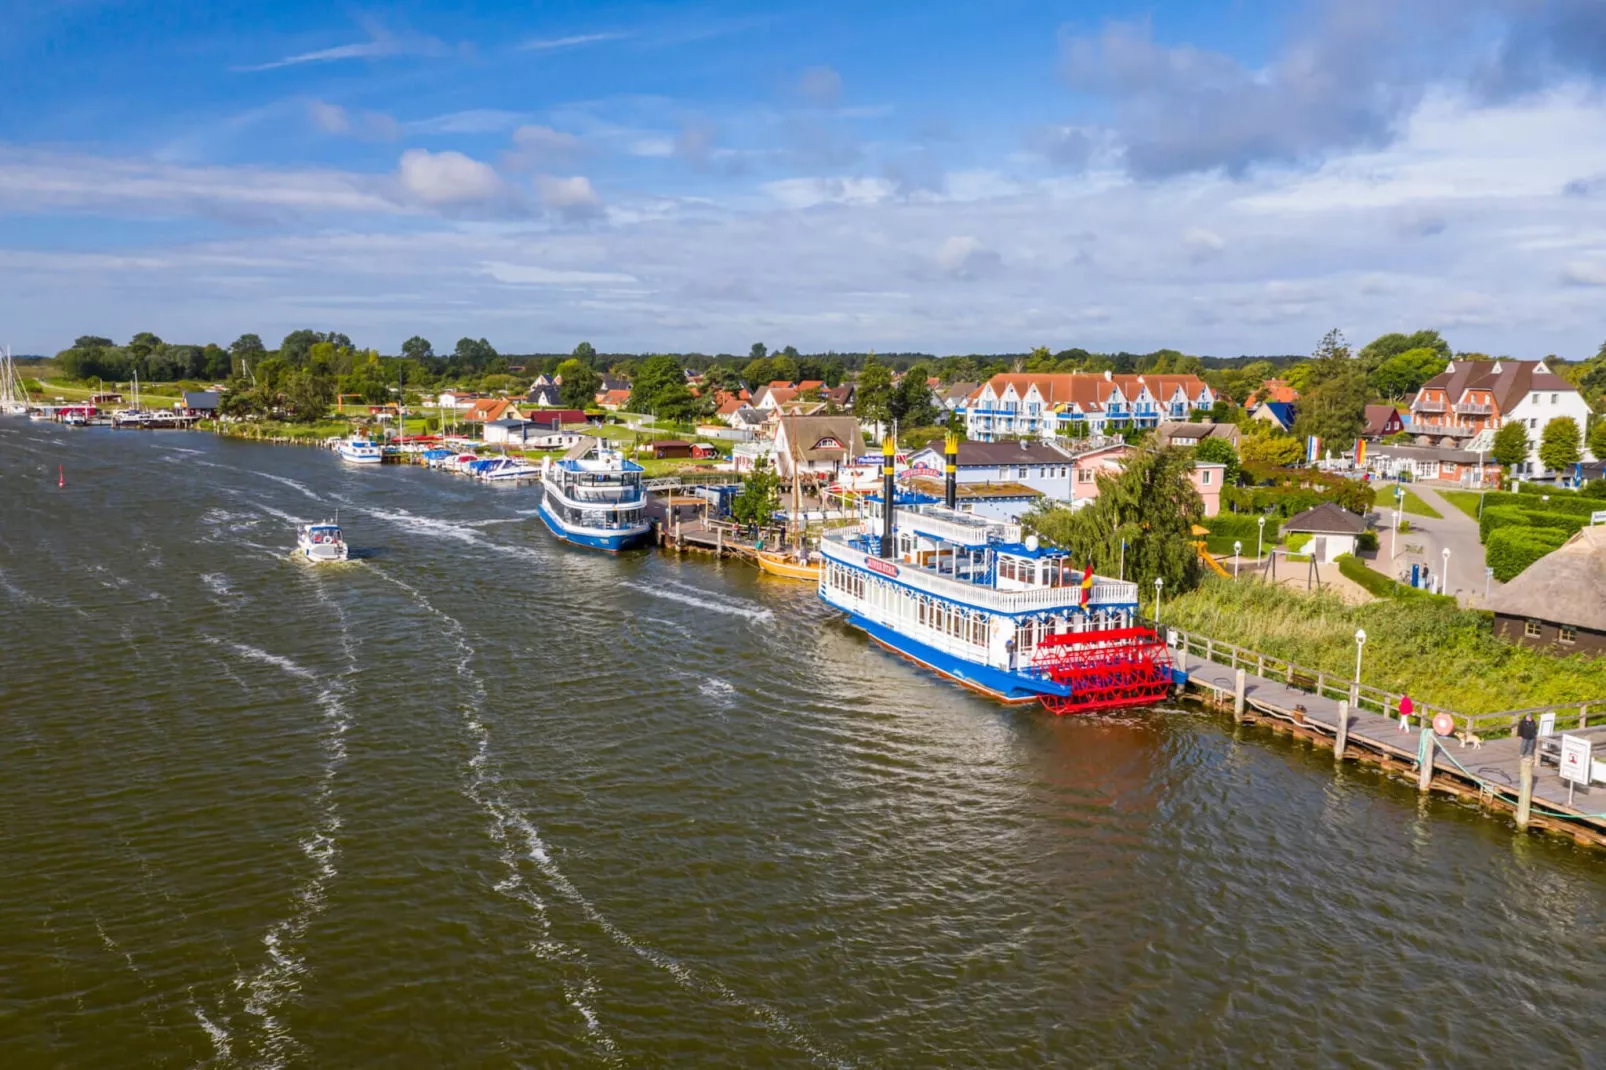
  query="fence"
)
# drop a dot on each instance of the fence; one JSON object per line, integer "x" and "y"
{"x": 1363, "y": 696}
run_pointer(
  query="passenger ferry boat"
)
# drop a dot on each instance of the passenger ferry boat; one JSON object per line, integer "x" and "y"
{"x": 593, "y": 497}
{"x": 321, "y": 542}
{"x": 359, "y": 451}
{"x": 969, "y": 597}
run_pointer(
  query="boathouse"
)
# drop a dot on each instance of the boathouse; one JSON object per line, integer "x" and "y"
{"x": 1556, "y": 602}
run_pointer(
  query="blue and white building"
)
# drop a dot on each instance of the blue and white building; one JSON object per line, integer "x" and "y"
{"x": 593, "y": 497}
{"x": 1080, "y": 404}
{"x": 965, "y": 596}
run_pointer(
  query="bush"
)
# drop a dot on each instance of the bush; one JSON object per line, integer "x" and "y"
{"x": 1573, "y": 504}
{"x": 1546, "y": 488}
{"x": 1503, "y": 516}
{"x": 1243, "y": 526}
{"x": 1510, "y": 550}
{"x": 1299, "y": 540}
{"x": 1594, "y": 489}
{"x": 1367, "y": 540}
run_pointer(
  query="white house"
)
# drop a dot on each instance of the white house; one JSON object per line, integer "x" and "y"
{"x": 1039, "y": 466}
{"x": 1080, "y": 403}
{"x": 1464, "y": 405}
{"x": 1333, "y": 531}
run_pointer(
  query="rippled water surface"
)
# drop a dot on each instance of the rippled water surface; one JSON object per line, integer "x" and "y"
{"x": 478, "y": 799}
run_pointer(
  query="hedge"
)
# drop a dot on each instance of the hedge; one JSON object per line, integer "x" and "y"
{"x": 1510, "y": 550}
{"x": 1496, "y": 517}
{"x": 1571, "y": 504}
{"x": 1242, "y": 526}
{"x": 1379, "y": 585}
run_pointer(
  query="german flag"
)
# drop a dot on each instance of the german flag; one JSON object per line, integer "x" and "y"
{"x": 1087, "y": 585}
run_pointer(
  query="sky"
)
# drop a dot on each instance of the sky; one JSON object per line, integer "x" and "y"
{"x": 1218, "y": 176}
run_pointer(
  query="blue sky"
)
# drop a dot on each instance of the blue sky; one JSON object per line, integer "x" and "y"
{"x": 1223, "y": 176}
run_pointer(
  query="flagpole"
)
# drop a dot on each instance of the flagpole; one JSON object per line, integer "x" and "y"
{"x": 1123, "y": 560}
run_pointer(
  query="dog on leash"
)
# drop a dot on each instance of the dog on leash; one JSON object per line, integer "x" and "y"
{"x": 1469, "y": 738}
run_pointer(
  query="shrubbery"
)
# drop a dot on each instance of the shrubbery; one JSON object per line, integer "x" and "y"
{"x": 1366, "y": 540}
{"x": 1381, "y": 586}
{"x": 1242, "y": 526}
{"x": 1497, "y": 517}
{"x": 1509, "y": 550}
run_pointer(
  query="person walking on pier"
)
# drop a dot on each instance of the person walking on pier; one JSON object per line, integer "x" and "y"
{"x": 1406, "y": 709}
{"x": 1528, "y": 732}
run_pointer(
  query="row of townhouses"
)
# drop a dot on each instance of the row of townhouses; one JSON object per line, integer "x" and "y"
{"x": 1463, "y": 406}
{"x": 1075, "y": 405}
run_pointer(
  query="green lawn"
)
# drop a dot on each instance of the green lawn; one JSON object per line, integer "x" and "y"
{"x": 1416, "y": 506}
{"x": 1464, "y": 500}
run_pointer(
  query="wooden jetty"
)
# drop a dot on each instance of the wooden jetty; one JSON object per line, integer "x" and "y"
{"x": 1360, "y": 724}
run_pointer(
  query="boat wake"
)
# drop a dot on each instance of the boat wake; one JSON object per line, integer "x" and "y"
{"x": 484, "y": 782}
{"x": 750, "y": 610}
{"x": 424, "y": 525}
{"x": 502, "y": 820}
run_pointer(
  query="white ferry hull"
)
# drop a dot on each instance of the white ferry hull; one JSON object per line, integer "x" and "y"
{"x": 612, "y": 540}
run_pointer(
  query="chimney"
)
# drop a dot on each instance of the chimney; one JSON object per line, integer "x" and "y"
{"x": 889, "y": 492}
{"x": 950, "y": 490}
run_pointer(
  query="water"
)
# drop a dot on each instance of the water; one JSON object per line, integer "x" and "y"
{"x": 478, "y": 799}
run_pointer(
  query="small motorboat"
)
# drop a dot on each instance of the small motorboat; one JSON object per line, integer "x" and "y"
{"x": 321, "y": 543}
{"x": 357, "y": 450}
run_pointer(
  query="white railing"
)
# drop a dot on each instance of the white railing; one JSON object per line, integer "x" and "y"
{"x": 1104, "y": 592}
{"x": 955, "y": 531}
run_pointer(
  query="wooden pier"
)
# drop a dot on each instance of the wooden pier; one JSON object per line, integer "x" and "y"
{"x": 1359, "y": 724}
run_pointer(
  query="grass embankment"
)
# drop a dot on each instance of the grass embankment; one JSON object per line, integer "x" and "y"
{"x": 1464, "y": 500}
{"x": 1414, "y": 505}
{"x": 1426, "y": 648}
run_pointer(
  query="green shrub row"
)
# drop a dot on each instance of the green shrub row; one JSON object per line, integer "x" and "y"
{"x": 1510, "y": 550}
{"x": 1496, "y": 517}
{"x": 1381, "y": 586}
{"x": 1243, "y": 526}
{"x": 1571, "y": 504}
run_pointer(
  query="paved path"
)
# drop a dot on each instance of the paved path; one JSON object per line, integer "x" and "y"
{"x": 1494, "y": 763}
{"x": 1455, "y": 529}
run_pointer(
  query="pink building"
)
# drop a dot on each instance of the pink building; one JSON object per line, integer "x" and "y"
{"x": 1086, "y": 467}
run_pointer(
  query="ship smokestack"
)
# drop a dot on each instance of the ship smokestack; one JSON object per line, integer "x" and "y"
{"x": 889, "y": 491}
{"x": 950, "y": 489}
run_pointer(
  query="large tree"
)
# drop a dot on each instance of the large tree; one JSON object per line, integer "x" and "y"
{"x": 1385, "y": 347}
{"x": 1404, "y": 373}
{"x": 1559, "y": 446}
{"x": 580, "y": 384}
{"x": 873, "y": 396}
{"x": 1510, "y": 446}
{"x": 1222, "y": 452}
{"x": 755, "y": 503}
{"x": 585, "y": 352}
{"x": 659, "y": 386}
{"x": 1597, "y": 439}
{"x": 1151, "y": 506}
{"x": 417, "y": 348}
{"x": 1333, "y": 403}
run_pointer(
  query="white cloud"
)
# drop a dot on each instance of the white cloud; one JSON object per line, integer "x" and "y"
{"x": 808, "y": 192}
{"x": 448, "y": 178}
{"x": 652, "y": 147}
{"x": 534, "y": 144}
{"x": 530, "y": 274}
{"x": 1203, "y": 244}
{"x": 1584, "y": 273}
{"x": 566, "y": 193}
{"x": 471, "y": 121}
{"x": 330, "y": 118}
{"x": 380, "y": 43}
{"x": 573, "y": 41}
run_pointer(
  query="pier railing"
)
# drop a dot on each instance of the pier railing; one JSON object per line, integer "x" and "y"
{"x": 1337, "y": 686}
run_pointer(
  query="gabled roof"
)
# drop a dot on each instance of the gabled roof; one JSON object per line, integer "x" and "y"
{"x": 809, "y": 437}
{"x": 200, "y": 399}
{"x": 487, "y": 409}
{"x": 1509, "y": 381}
{"x": 1281, "y": 411}
{"x": 1273, "y": 390}
{"x": 1326, "y": 519}
{"x": 1563, "y": 586}
{"x": 1175, "y": 429}
{"x": 1090, "y": 391}
{"x": 1378, "y": 418}
{"x": 959, "y": 391}
{"x": 995, "y": 454}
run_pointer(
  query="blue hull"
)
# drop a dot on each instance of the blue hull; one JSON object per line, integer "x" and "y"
{"x": 611, "y": 543}
{"x": 997, "y": 683}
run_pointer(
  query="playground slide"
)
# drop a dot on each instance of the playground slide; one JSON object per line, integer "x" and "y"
{"x": 1212, "y": 562}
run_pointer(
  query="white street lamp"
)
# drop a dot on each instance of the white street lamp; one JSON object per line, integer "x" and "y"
{"x": 1360, "y": 641}
{"x": 1237, "y": 552}
{"x": 1260, "y": 539}
{"x": 1444, "y": 574}
{"x": 1159, "y": 582}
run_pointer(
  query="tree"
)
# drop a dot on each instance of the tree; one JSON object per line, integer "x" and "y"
{"x": 758, "y": 372}
{"x": 1559, "y": 444}
{"x": 755, "y": 503}
{"x": 1597, "y": 439}
{"x": 417, "y": 348}
{"x": 94, "y": 341}
{"x": 1272, "y": 448}
{"x": 1151, "y": 506}
{"x": 1510, "y": 446}
{"x": 758, "y": 352}
{"x": 473, "y": 355}
{"x": 873, "y": 399}
{"x": 1385, "y": 347}
{"x": 296, "y": 344}
{"x": 1404, "y": 373}
{"x": 1221, "y": 451}
{"x": 910, "y": 403}
{"x": 1333, "y": 404}
{"x": 833, "y": 373}
{"x": 580, "y": 384}
{"x": 215, "y": 362}
{"x": 586, "y": 353}
{"x": 307, "y": 396}
{"x": 783, "y": 367}
{"x": 659, "y": 387}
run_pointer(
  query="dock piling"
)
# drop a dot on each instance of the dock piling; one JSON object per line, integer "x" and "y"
{"x": 1342, "y": 738}
{"x": 1525, "y": 797}
{"x": 1424, "y": 760}
{"x": 1238, "y": 695}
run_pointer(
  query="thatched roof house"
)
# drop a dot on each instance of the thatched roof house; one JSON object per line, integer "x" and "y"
{"x": 1558, "y": 601}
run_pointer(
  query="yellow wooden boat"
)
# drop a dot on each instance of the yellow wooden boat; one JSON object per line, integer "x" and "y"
{"x": 788, "y": 565}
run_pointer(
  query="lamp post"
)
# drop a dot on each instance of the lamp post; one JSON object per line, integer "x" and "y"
{"x": 1237, "y": 552}
{"x": 1394, "y": 533}
{"x": 1260, "y": 538}
{"x": 1360, "y": 641}
{"x": 1159, "y": 582}
{"x": 1444, "y": 573}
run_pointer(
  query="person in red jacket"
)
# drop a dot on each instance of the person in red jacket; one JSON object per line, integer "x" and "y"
{"x": 1406, "y": 709}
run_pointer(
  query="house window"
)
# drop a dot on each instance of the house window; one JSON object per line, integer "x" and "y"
{"x": 1084, "y": 475}
{"x": 1568, "y": 634}
{"x": 1204, "y": 477}
{"x": 1534, "y": 423}
{"x": 1003, "y": 473}
{"x": 1553, "y": 398}
{"x": 1533, "y": 629}
{"x": 1020, "y": 472}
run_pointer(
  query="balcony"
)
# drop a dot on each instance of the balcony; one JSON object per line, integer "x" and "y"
{"x": 1428, "y": 406}
{"x": 1473, "y": 408}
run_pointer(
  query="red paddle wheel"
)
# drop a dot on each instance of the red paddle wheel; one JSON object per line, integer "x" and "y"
{"x": 1104, "y": 670}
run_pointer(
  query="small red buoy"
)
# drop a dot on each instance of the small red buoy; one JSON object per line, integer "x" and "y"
{"x": 61, "y": 476}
